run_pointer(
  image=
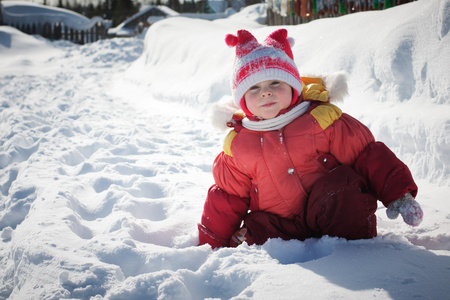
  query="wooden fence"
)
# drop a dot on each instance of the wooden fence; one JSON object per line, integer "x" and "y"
{"x": 57, "y": 31}
{"x": 55, "y": 26}
{"x": 292, "y": 12}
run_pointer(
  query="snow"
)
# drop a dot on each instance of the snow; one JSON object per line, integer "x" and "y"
{"x": 106, "y": 152}
{"x": 129, "y": 27}
{"x": 23, "y": 13}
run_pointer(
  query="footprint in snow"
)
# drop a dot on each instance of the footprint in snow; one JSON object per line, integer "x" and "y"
{"x": 17, "y": 207}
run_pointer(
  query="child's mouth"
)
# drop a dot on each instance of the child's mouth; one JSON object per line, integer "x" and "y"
{"x": 269, "y": 104}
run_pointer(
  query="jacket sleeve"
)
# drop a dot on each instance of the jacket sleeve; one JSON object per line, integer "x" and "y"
{"x": 387, "y": 175}
{"x": 229, "y": 176}
{"x": 222, "y": 216}
{"x": 226, "y": 204}
{"x": 352, "y": 143}
{"x": 348, "y": 138}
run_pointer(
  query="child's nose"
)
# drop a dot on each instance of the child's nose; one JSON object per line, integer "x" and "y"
{"x": 266, "y": 92}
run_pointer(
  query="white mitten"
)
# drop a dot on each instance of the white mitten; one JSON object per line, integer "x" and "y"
{"x": 409, "y": 209}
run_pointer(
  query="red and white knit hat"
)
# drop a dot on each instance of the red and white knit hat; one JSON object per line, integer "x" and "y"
{"x": 257, "y": 62}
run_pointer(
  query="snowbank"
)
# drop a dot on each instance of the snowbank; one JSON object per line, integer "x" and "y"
{"x": 394, "y": 59}
{"x": 23, "y": 13}
{"x": 106, "y": 154}
{"x": 16, "y": 55}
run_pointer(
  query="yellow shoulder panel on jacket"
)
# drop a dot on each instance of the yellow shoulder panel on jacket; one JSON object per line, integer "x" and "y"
{"x": 313, "y": 89}
{"x": 309, "y": 80}
{"x": 227, "y": 143}
{"x": 326, "y": 114}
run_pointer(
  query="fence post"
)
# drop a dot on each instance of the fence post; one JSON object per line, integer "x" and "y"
{"x": 66, "y": 32}
{"x": 46, "y": 30}
{"x": 102, "y": 26}
{"x": 1, "y": 14}
{"x": 92, "y": 34}
{"x": 57, "y": 30}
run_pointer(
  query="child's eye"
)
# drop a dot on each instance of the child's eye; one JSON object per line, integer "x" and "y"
{"x": 275, "y": 83}
{"x": 255, "y": 87}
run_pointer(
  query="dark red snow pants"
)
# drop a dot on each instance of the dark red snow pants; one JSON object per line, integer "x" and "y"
{"x": 339, "y": 205}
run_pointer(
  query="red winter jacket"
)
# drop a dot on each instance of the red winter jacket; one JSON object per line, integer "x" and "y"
{"x": 274, "y": 171}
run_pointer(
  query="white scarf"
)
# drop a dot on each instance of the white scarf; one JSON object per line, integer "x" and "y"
{"x": 278, "y": 122}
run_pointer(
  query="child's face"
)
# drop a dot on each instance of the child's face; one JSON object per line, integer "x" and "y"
{"x": 266, "y": 99}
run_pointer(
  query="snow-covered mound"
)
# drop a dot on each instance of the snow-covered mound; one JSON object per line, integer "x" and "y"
{"x": 106, "y": 152}
{"x": 16, "y": 55}
{"x": 395, "y": 60}
{"x": 23, "y": 13}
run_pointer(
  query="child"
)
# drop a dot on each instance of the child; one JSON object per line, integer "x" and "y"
{"x": 294, "y": 166}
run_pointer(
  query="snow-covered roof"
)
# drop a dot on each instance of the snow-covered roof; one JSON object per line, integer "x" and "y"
{"x": 128, "y": 27}
{"x": 146, "y": 8}
{"x": 167, "y": 10}
{"x": 27, "y": 13}
{"x": 218, "y": 6}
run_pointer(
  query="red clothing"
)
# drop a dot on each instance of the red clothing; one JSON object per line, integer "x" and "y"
{"x": 278, "y": 168}
{"x": 274, "y": 171}
{"x": 340, "y": 204}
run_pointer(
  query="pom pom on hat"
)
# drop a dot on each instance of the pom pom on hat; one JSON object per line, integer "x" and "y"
{"x": 279, "y": 39}
{"x": 244, "y": 42}
{"x": 291, "y": 41}
{"x": 255, "y": 62}
{"x": 231, "y": 40}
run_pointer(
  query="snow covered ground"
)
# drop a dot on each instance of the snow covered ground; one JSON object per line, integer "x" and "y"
{"x": 106, "y": 152}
